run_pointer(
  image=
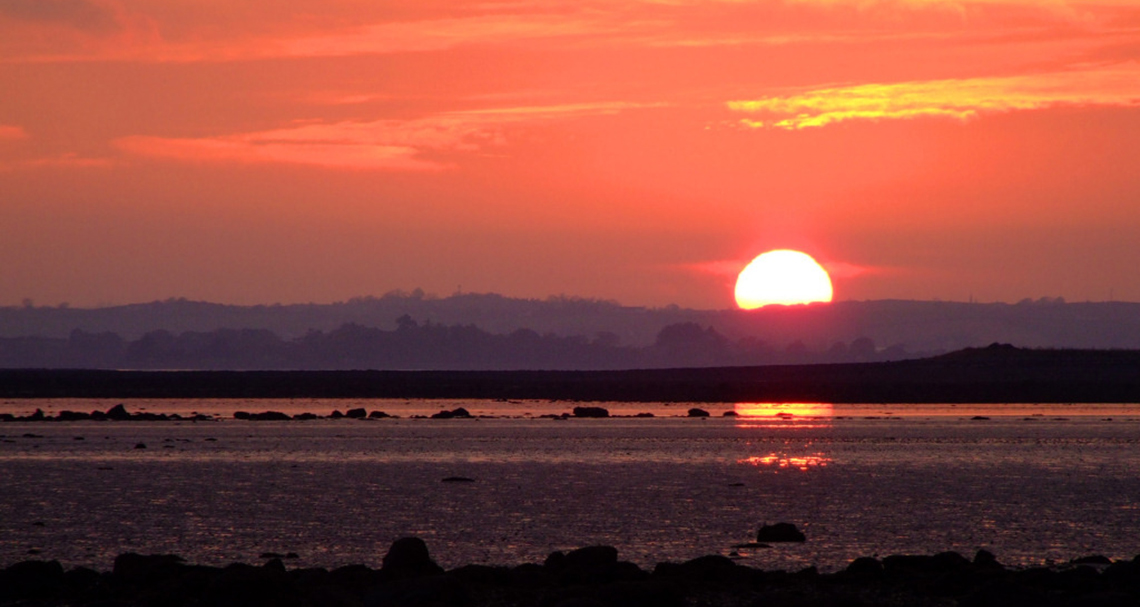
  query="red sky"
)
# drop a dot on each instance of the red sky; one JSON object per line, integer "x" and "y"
{"x": 315, "y": 150}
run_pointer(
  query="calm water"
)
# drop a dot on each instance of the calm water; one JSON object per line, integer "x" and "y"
{"x": 1030, "y": 483}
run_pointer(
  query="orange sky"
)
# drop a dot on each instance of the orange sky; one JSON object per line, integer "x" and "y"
{"x": 638, "y": 150}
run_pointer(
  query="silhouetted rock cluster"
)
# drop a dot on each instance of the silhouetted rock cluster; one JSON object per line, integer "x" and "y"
{"x": 590, "y": 576}
{"x": 118, "y": 413}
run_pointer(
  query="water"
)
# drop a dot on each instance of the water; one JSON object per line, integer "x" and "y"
{"x": 1029, "y": 483}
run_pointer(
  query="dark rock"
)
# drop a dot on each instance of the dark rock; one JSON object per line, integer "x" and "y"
{"x": 530, "y": 575}
{"x": 32, "y": 580}
{"x": 458, "y": 413}
{"x": 80, "y": 580}
{"x": 729, "y": 413}
{"x": 555, "y": 561}
{"x": 378, "y": 415}
{"x": 640, "y": 593}
{"x": 949, "y": 562}
{"x": 305, "y": 416}
{"x": 780, "y": 532}
{"x": 358, "y": 413}
{"x": 865, "y": 567}
{"x": 243, "y": 415}
{"x": 984, "y": 559}
{"x": 1094, "y": 559}
{"x": 118, "y": 413}
{"x": 592, "y": 557}
{"x": 354, "y": 577}
{"x": 979, "y": 418}
{"x": 146, "y": 569}
{"x": 416, "y": 592}
{"x": 409, "y": 556}
{"x": 644, "y": 415}
{"x": 458, "y": 479}
{"x": 140, "y": 445}
{"x": 336, "y": 414}
{"x": 591, "y": 412}
{"x": 482, "y": 574}
{"x": 248, "y": 586}
{"x": 72, "y": 416}
{"x": 695, "y": 412}
{"x": 271, "y": 416}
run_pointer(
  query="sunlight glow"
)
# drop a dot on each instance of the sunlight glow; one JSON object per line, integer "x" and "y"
{"x": 782, "y": 277}
{"x": 783, "y": 460}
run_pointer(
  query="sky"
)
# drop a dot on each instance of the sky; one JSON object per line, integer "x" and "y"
{"x": 636, "y": 150}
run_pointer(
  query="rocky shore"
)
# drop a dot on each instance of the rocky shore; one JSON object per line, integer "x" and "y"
{"x": 119, "y": 413}
{"x": 587, "y": 577}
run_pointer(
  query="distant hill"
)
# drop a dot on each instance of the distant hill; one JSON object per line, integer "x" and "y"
{"x": 916, "y": 327}
{"x": 996, "y": 374}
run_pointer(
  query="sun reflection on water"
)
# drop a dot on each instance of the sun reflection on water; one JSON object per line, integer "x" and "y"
{"x": 785, "y": 410}
{"x": 784, "y": 461}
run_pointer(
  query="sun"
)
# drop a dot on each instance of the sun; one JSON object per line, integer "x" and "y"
{"x": 782, "y": 277}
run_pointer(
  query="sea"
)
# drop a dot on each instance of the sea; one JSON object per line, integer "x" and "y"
{"x": 1034, "y": 484}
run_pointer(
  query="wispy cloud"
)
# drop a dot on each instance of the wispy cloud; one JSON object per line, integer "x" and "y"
{"x": 10, "y": 132}
{"x": 959, "y": 99}
{"x": 67, "y": 160}
{"x": 394, "y": 145}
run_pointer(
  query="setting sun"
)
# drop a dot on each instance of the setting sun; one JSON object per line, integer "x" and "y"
{"x": 782, "y": 277}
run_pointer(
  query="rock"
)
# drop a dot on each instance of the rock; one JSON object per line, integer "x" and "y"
{"x": 459, "y": 412}
{"x": 644, "y": 415}
{"x": 780, "y": 532}
{"x": 243, "y": 415}
{"x": 146, "y": 569}
{"x": 72, "y": 416}
{"x": 305, "y": 416}
{"x": 1094, "y": 559}
{"x": 118, "y": 413}
{"x": 985, "y": 559}
{"x": 250, "y": 586}
{"x": 409, "y": 556}
{"x": 32, "y": 580}
{"x": 336, "y": 414}
{"x": 378, "y": 415}
{"x": 358, "y": 413}
{"x": 591, "y": 557}
{"x": 729, "y": 413}
{"x": 979, "y": 418}
{"x": 271, "y": 416}
{"x": 555, "y": 561}
{"x": 591, "y": 412}
{"x": 695, "y": 412}
{"x": 140, "y": 445}
{"x": 458, "y": 479}
{"x": 865, "y": 567}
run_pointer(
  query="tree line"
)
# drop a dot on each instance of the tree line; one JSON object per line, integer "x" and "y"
{"x": 415, "y": 345}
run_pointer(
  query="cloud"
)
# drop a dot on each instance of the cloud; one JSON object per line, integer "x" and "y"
{"x": 9, "y": 132}
{"x": 390, "y": 145}
{"x": 68, "y": 160}
{"x": 959, "y": 99}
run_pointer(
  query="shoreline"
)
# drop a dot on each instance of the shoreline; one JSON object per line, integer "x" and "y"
{"x": 589, "y": 576}
{"x": 996, "y": 374}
